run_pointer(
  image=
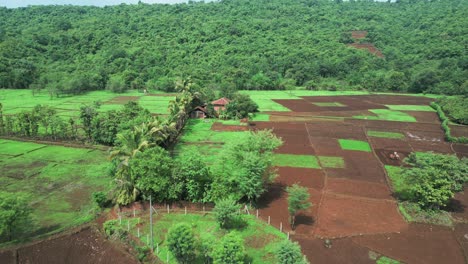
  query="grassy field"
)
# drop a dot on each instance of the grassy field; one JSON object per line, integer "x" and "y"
{"x": 59, "y": 181}
{"x": 383, "y": 134}
{"x": 425, "y": 108}
{"x": 349, "y": 144}
{"x": 300, "y": 161}
{"x": 16, "y": 100}
{"x": 388, "y": 115}
{"x": 260, "y": 239}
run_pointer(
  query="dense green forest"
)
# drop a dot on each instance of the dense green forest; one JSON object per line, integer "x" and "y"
{"x": 237, "y": 44}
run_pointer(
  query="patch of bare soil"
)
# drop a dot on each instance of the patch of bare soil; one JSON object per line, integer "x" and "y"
{"x": 369, "y": 47}
{"x": 341, "y": 216}
{"x": 418, "y": 243}
{"x": 358, "y": 34}
{"x": 385, "y": 156}
{"x": 122, "y": 100}
{"x": 86, "y": 246}
{"x": 359, "y": 188}
{"x": 459, "y": 131}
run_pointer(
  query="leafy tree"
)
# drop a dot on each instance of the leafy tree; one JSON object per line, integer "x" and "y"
{"x": 192, "y": 171}
{"x": 116, "y": 84}
{"x": 152, "y": 173}
{"x": 230, "y": 250}
{"x": 298, "y": 199}
{"x": 433, "y": 179}
{"x": 87, "y": 114}
{"x": 240, "y": 106}
{"x": 289, "y": 253}
{"x": 14, "y": 214}
{"x": 181, "y": 242}
{"x": 226, "y": 212}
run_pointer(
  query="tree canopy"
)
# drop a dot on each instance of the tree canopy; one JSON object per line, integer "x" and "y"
{"x": 239, "y": 44}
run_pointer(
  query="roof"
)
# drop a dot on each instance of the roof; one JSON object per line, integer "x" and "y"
{"x": 221, "y": 101}
{"x": 200, "y": 108}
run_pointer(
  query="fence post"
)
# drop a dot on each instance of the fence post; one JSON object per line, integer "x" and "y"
{"x": 138, "y": 232}
{"x": 128, "y": 225}
{"x": 281, "y": 226}
{"x": 257, "y": 213}
{"x": 168, "y": 209}
{"x": 120, "y": 219}
{"x": 203, "y": 208}
{"x": 185, "y": 209}
{"x": 151, "y": 224}
{"x": 288, "y": 235}
{"x": 134, "y": 212}
{"x": 268, "y": 219}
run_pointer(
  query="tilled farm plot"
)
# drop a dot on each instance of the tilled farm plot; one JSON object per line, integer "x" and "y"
{"x": 353, "y": 203}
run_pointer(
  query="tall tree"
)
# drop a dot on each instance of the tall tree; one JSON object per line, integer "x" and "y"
{"x": 298, "y": 199}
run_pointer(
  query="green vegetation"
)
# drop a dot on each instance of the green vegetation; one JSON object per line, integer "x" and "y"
{"x": 199, "y": 130}
{"x": 384, "y": 134}
{"x": 446, "y": 127}
{"x": 226, "y": 212}
{"x": 387, "y": 260}
{"x": 388, "y": 115}
{"x": 259, "y": 240}
{"x": 289, "y": 252}
{"x": 15, "y": 217}
{"x": 332, "y": 104}
{"x": 240, "y": 107}
{"x": 410, "y": 108}
{"x": 181, "y": 242}
{"x": 290, "y": 160}
{"x": 456, "y": 108}
{"x": 58, "y": 182}
{"x": 298, "y": 199}
{"x": 349, "y": 144}
{"x": 260, "y": 117}
{"x": 331, "y": 162}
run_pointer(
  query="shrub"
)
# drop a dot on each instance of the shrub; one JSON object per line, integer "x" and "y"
{"x": 289, "y": 253}
{"x": 226, "y": 212}
{"x": 230, "y": 250}
{"x": 100, "y": 198}
{"x": 113, "y": 229}
{"x": 181, "y": 242}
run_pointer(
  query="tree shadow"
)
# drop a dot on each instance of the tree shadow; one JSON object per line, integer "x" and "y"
{"x": 304, "y": 220}
{"x": 455, "y": 206}
{"x": 275, "y": 192}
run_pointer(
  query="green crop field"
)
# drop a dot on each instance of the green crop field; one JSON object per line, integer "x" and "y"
{"x": 207, "y": 230}
{"x": 384, "y": 134}
{"x": 15, "y": 101}
{"x": 388, "y": 115}
{"x": 58, "y": 181}
{"x": 426, "y": 108}
{"x": 348, "y": 144}
{"x": 300, "y": 161}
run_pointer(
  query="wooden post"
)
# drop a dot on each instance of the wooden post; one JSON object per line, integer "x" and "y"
{"x": 281, "y": 226}
{"x": 268, "y": 219}
{"x": 168, "y": 209}
{"x": 128, "y": 225}
{"x": 257, "y": 213}
{"x": 203, "y": 209}
{"x": 151, "y": 224}
{"x": 134, "y": 214}
{"x": 138, "y": 232}
{"x": 120, "y": 219}
{"x": 185, "y": 209}
{"x": 288, "y": 235}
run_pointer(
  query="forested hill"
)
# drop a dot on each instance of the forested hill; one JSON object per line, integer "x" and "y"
{"x": 238, "y": 44}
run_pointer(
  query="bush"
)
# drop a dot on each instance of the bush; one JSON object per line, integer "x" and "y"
{"x": 446, "y": 128}
{"x": 289, "y": 253}
{"x": 181, "y": 242}
{"x": 113, "y": 229}
{"x": 100, "y": 198}
{"x": 226, "y": 212}
{"x": 456, "y": 108}
{"x": 230, "y": 250}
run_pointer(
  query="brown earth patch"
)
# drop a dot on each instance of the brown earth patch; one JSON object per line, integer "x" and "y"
{"x": 428, "y": 127}
{"x": 336, "y": 130}
{"x": 342, "y": 251}
{"x": 358, "y": 34}
{"x": 458, "y": 206}
{"x": 326, "y": 146}
{"x": 259, "y": 241}
{"x": 299, "y": 149}
{"x": 359, "y": 166}
{"x": 341, "y": 216}
{"x": 377, "y": 124}
{"x": 122, "y": 99}
{"x": 306, "y": 220}
{"x": 417, "y": 243}
{"x": 461, "y": 150}
{"x": 86, "y": 246}
{"x": 311, "y": 178}
{"x": 424, "y": 116}
{"x": 461, "y": 233}
{"x": 78, "y": 196}
{"x": 369, "y": 47}
{"x": 7, "y": 257}
{"x": 421, "y": 135}
{"x": 390, "y": 144}
{"x": 359, "y": 188}
{"x": 352, "y": 102}
{"x": 163, "y": 94}
{"x": 438, "y": 147}
{"x": 217, "y": 126}
{"x": 384, "y": 156}
{"x": 459, "y": 131}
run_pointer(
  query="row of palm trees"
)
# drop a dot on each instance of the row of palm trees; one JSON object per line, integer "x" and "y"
{"x": 157, "y": 132}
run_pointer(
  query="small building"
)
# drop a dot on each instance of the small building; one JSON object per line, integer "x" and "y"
{"x": 198, "y": 112}
{"x": 220, "y": 104}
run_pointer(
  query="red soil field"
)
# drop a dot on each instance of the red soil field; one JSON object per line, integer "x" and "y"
{"x": 217, "y": 126}
{"x": 341, "y": 216}
{"x": 336, "y": 130}
{"x": 122, "y": 99}
{"x": 384, "y": 156}
{"x": 359, "y": 166}
{"x": 86, "y": 246}
{"x": 358, "y": 34}
{"x": 459, "y": 205}
{"x": 369, "y": 47}
{"x": 424, "y": 116}
{"x": 418, "y": 243}
{"x": 437, "y": 147}
{"x": 390, "y": 144}
{"x": 326, "y": 146}
{"x": 299, "y": 149}
{"x": 312, "y": 178}
{"x": 461, "y": 231}
{"x": 359, "y": 188}
{"x": 460, "y": 149}
{"x": 342, "y": 251}
{"x": 459, "y": 131}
